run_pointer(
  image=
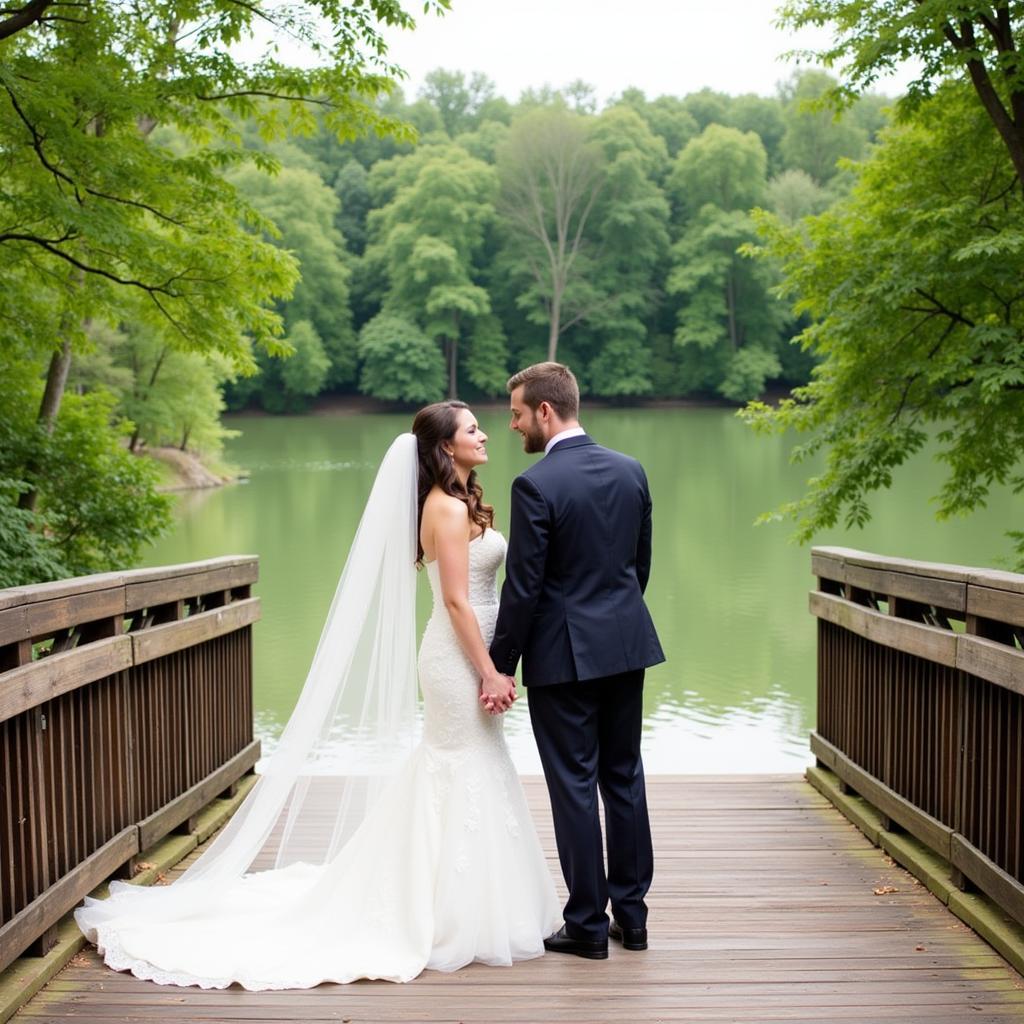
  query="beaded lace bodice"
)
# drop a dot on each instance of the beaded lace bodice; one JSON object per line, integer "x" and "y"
{"x": 452, "y": 717}
{"x": 486, "y": 554}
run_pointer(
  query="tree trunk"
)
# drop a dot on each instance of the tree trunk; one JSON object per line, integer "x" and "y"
{"x": 147, "y": 122}
{"x": 23, "y": 18}
{"x": 730, "y": 306}
{"x": 134, "y": 442}
{"x": 1009, "y": 130}
{"x": 554, "y": 331}
{"x": 56, "y": 381}
{"x": 453, "y": 367}
{"x": 1007, "y": 122}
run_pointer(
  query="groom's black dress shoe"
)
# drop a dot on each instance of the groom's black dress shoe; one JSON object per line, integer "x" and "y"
{"x": 631, "y": 938}
{"x": 562, "y": 943}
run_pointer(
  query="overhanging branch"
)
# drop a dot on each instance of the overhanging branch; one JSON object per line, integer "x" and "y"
{"x": 24, "y": 18}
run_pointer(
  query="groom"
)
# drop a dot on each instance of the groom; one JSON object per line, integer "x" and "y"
{"x": 572, "y": 608}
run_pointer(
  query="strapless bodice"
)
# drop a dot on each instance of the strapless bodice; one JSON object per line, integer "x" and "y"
{"x": 486, "y": 554}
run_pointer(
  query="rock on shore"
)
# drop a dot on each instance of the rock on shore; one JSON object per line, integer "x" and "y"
{"x": 188, "y": 471}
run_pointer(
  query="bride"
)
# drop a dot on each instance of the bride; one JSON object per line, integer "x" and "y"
{"x": 359, "y": 854}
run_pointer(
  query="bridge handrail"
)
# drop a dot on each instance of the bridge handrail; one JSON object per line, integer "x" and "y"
{"x": 921, "y": 705}
{"x": 125, "y": 707}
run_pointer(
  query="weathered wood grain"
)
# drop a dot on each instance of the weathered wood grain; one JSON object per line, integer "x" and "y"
{"x": 763, "y": 908}
{"x": 986, "y": 659}
{"x": 146, "y": 593}
{"x": 1002, "y": 887}
{"x": 942, "y": 593}
{"x": 72, "y": 587}
{"x": 886, "y": 563}
{"x": 157, "y": 825}
{"x": 30, "y": 685}
{"x": 158, "y": 641}
{"x": 931, "y": 642}
{"x": 918, "y": 823}
{"x": 13, "y": 622}
{"x": 52, "y": 905}
{"x": 999, "y": 605}
{"x": 45, "y": 618}
{"x": 998, "y": 579}
{"x": 95, "y": 739}
{"x": 162, "y": 572}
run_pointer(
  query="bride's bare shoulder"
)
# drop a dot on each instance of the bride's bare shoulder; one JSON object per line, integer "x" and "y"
{"x": 444, "y": 512}
{"x": 440, "y": 503}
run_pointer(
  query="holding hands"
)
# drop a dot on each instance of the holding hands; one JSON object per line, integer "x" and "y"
{"x": 497, "y": 692}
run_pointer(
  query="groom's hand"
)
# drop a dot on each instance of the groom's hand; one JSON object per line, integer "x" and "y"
{"x": 497, "y": 692}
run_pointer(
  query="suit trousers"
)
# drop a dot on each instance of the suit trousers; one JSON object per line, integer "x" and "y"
{"x": 588, "y": 735}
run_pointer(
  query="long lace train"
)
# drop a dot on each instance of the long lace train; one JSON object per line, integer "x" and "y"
{"x": 445, "y": 870}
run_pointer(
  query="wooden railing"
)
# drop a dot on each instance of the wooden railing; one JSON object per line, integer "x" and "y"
{"x": 921, "y": 705}
{"x": 125, "y": 707}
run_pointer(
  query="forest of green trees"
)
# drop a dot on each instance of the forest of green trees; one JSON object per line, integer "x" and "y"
{"x": 547, "y": 228}
{"x": 506, "y": 233}
{"x": 182, "y": 232}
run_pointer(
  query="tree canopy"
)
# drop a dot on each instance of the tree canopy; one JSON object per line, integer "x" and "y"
{"x": 101, "y": 221}
{"x": 979, "y": 43}
{"x": 185, "y": 228}
{"x": 125, "y": 244}
{"x": 547, "y": 227}
{"x": 909, "y": 286}
{"x": 912, "y": 287}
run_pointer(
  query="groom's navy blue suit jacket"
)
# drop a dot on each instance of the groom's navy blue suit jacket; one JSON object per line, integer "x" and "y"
{"x": 578, "y": 560}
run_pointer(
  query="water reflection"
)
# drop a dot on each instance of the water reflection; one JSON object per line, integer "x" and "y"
{"x": 729, "y": 599}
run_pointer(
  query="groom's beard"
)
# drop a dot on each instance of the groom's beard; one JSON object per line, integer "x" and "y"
{"x": 533, "y": 440}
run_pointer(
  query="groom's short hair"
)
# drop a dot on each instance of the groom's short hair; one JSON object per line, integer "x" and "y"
{"x": 548, "y": 382}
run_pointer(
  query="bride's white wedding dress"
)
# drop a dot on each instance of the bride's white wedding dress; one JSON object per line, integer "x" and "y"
{"x": 446, "y": 868}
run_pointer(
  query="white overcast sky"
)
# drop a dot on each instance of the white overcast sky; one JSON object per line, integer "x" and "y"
{"x": 660, "y": 46}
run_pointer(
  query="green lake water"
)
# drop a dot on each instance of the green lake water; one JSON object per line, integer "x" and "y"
{"x": 729, "y": 599}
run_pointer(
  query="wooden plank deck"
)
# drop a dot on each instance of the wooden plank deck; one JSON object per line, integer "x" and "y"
{"x": 763, "y": 909}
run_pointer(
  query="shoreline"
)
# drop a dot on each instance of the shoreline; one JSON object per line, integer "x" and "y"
{"x": 364, "y": 405}
{"x": 185, "y": 471}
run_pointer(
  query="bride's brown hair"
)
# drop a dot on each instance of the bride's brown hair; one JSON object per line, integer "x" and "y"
{"x": 433, "y": 426}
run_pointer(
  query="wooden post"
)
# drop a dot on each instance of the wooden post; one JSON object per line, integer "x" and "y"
{"x": 928, "y": 719}
{"x": 111, "y": 734}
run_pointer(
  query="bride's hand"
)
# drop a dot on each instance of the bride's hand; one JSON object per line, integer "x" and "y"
{"x": 497, "y": 692}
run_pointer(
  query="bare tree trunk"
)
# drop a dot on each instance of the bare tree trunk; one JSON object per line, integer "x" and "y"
{"x": 56, "y": 381}
{"x": 551, "y": 179}
{"x": 148, "y": 122}
{"x": 22, "y": 18}
{"x": 453, "y": 367}
{"x": 60, "y": 361}
{"x": 553, "y": 332}
{"x": 133, "y": 444}
{"x": 56, "y": 375}
{"x": 730, "y": 305}
{"x": 1009, "y": 123}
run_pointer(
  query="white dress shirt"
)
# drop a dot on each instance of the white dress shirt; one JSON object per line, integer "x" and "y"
{"x": 571, "y": 432}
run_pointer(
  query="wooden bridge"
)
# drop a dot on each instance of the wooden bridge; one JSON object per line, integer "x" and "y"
{"x": 125, "y": 745}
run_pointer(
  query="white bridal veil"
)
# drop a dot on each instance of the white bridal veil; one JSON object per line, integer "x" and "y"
{"x": 353, "y": 726}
